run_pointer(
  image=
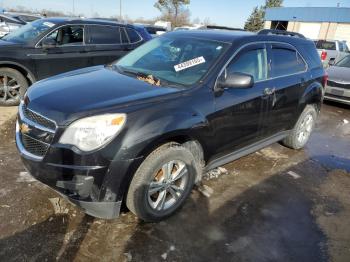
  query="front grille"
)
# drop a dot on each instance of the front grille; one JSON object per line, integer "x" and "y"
{"x": 336, "y": 84}
{"x": 34, "y": 146}
{"x": 36, "y": 118}
{"x": 339, "y": 97}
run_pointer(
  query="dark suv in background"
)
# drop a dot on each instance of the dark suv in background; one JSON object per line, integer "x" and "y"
{"x": 47, "y": 47}
{"x": 145, "y": 128}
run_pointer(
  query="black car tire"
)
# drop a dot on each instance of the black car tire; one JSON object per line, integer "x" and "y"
{"x": 138, "y": 199}
{"x": 19, "y": 79}
{"x": 292, "y": 140}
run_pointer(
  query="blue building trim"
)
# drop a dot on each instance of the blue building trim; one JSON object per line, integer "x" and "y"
{"x": 309, "y": 14}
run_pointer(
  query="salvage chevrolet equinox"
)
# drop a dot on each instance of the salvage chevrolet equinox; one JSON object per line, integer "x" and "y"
{"x": 142, "y": 131}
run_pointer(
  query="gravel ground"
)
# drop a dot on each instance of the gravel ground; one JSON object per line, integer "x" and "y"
{"x": 273, "y": 205}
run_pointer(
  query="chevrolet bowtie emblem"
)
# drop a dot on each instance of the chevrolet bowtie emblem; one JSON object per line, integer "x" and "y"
{"x": 24, "y": 128}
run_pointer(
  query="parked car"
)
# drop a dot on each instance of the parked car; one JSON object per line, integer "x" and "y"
{"x": 47, "y": 47}
{"x": 12, "y": 21}
{"x": 143, "y": 130}
{"x": 331, "y": 50}
{"x": 338, "y": 84}
{"x": 155, "y": 31}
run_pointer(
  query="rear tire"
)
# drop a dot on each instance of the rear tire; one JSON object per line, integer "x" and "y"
{"x": 13, "y": 86}
{"x": 301, "y": 132}
{"x": 162, "y": 183}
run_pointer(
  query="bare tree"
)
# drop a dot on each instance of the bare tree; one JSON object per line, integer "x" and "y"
{"x": 174, "y": 11}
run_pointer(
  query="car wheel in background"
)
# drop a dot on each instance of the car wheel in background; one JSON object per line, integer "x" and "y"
{"x": 13, "y": 86}
{"x": 162, "y": 183}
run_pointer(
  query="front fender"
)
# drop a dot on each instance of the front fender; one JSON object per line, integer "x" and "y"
{"x": 143, "y": 137}
{"x": 146, "y": 133}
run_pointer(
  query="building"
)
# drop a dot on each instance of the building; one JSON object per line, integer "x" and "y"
{"x": 327, "y": 23}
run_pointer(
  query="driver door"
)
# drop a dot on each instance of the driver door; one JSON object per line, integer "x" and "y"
{"x": 69, "y": 53}
{"x": 240, "y": 112}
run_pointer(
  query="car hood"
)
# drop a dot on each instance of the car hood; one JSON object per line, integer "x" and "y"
{"x": 89, "y": 91}
{"x": 4, "y": 43}
{"x": 339, "y": 74}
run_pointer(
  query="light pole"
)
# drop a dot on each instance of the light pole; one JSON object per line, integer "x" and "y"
{"x": 73, "y": 7}
{"x": 120, "y": 9}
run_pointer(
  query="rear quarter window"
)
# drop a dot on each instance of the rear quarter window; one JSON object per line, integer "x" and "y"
{"x": 310, "y": 54}
{"x": 133, "y": 35}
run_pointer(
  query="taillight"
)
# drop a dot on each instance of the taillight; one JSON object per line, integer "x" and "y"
{"x": 323, "y": 55}
{"x": 325, "y": 79}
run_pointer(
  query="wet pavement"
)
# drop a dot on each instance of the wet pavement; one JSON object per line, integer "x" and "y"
{"x": 274, "y": 205}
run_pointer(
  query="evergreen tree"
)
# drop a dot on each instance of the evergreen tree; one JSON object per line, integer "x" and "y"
{"x": 255, "y": 21}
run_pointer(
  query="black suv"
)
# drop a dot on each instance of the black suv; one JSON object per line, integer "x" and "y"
{"x": 143, "y": 130}
{"x": 47, "y": 47}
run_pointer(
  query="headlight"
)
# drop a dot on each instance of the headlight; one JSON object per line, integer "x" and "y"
{"x": 91, "y": 133}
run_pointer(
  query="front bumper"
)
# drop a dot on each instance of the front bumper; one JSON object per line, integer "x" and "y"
{"x": 95, "y": 182}
{"x": 337, "y": 94}
{"x": 76, "y": 184}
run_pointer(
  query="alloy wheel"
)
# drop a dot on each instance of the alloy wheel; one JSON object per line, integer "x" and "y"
{"x": 305, "y": 129}
{"x": 168, "y": 185}
{"x": 9, "y": 88}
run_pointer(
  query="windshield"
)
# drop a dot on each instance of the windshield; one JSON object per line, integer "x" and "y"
{"x": 345, "y": 62}
{"x": 182, "y": 61}
{"x": 28, "y": 32}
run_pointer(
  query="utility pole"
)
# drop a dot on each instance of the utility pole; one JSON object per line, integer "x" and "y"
{"x": 73, "y": 7}
{"x": 120, "y": 9}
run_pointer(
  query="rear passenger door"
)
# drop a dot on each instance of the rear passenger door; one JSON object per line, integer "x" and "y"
{"x": 289, "y": 80}
{"x": 106, "y": 43}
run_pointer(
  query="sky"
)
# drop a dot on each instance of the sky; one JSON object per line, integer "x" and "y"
{"x": 221, "y": 12}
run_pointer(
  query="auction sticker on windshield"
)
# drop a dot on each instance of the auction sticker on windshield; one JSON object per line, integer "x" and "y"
{"x": 189, "y": 63}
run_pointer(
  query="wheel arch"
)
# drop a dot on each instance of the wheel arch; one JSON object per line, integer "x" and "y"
{"x": 22, "y": 69}
{"x": 313, "y": 95}
{"x": 188, "y": 141}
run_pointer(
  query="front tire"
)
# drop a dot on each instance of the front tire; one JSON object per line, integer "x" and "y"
{"x": 302, "y": 130}
{"x": 162, "y": 183}
{"x": 13, "y": 86}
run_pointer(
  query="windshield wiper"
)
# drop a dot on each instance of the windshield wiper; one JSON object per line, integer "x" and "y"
{"x": 162, "y": 82}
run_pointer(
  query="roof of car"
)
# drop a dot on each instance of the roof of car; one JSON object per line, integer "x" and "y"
{"x": 230, "y": 36}
{"x": 217, "y": 35}
{"x": 75, "y": 20}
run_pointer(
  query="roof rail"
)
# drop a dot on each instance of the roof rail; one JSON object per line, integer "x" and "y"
{"x": 224, "y": 28}
{"x": 280, "y": 32}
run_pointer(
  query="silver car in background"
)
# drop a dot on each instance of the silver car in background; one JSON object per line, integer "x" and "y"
{"x": 331, "y": 51}
{"x": 12, "y": 21}
{"x": 338, "y": 84}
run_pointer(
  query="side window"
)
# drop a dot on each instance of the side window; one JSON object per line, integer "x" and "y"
{"x": 341, "y": 47}
{"x": 123, "y": 36}
{"x": 286, "y": 62}
{"x": 104, "y": 35}
{"x": 133, "y": 35}
{"x": 68, "y": 35}
{"x": 252, "y": 62}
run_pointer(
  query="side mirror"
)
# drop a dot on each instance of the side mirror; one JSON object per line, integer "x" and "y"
{"x": 235, "y": 80}
{"x": 331, "y": 62}
{"x": 48, "y": 43}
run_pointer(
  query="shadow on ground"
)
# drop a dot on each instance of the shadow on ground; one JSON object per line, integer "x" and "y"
{"x": 46, "y": 241}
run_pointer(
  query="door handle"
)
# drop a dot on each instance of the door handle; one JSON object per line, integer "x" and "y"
{"x": 269, "y": 91}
